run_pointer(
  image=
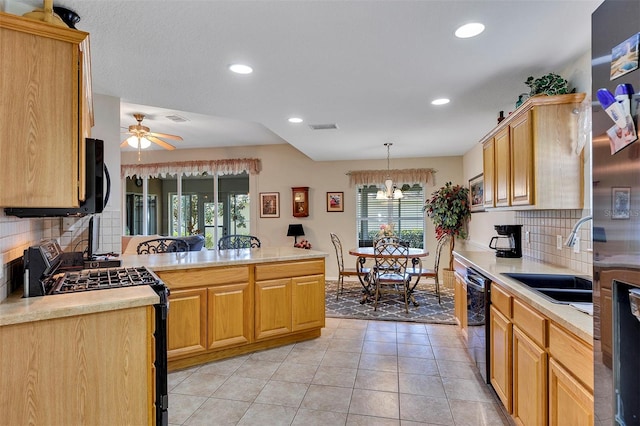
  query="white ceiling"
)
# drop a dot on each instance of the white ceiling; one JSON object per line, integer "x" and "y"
{"x": 371, "y": 67}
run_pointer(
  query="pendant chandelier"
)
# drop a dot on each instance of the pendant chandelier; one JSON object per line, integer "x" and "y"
{"x": 390, "y": 190}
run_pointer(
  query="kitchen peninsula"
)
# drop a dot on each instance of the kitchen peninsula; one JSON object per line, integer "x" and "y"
{"x": 229, "y": 302}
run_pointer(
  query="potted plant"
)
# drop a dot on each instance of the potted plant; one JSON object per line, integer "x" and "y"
{"x": 549, "y": 84}
{"x": 449, "y": 211}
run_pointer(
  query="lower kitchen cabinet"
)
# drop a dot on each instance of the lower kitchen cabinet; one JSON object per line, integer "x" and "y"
{"x": 460, "y": 303}
{"x": 570, "y": 402}
{"x": 217, "y": 312}
{"x": 186, "y": 322}
{"x": 542, "y": 373}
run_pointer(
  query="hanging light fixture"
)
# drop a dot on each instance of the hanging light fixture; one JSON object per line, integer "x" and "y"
{"x": 390, "y": 191}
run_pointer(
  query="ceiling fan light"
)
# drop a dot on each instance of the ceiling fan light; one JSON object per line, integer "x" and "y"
{"x": 381, "y": 195}
{"x": 133, "y": 142}
{"x": 397, "y": 194}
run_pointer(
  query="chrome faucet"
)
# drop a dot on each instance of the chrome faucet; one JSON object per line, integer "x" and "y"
{"x": 571, "y": 240}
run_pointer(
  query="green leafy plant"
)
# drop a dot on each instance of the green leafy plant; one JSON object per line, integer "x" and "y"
{"x": 449, "y": 211}
{"x": 549, "y": 84}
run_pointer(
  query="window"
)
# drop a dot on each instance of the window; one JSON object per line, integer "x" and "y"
{"x": 405, "y": 214}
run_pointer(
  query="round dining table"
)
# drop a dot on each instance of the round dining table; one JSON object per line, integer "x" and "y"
{"x": 364, "y": 253}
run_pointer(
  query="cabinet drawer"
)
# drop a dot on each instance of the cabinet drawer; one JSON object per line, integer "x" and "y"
{"x": 530, "y": 322}
{"x": 501, "y": 300}
{"x": 204, "y": 276}
{"x": 575, "y": 355}
{"x": 270, "y": 271}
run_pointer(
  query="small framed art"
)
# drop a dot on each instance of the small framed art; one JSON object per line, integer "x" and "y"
{"x": 335, "y": 201}
{"x": 476, "y": 193}
{"x": 620, "y": 203}
{"x": 269, "y": 204}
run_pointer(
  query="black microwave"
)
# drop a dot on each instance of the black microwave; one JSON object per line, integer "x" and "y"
{"x": 98, "y": 188}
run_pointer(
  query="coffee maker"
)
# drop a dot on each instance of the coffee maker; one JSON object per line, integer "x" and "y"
{"x": 508, "y": 243}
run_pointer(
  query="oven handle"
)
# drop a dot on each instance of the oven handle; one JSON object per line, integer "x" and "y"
{"x": 474, "y": 285}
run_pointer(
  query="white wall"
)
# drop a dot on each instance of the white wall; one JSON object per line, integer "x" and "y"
{"x": 284, "y": 167}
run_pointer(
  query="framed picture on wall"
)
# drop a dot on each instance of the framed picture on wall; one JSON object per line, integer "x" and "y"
{"x": 620, "y": 203}
{"x": 476, "y": 193}
{"x": 335, "y": 201}
{"x": 269, "y": 204}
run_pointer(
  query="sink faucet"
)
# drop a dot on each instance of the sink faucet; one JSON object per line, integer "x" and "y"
{"x": 571, "y": 240}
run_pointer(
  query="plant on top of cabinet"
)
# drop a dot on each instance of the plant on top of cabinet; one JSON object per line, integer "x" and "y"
{"x": 549, "y": 84}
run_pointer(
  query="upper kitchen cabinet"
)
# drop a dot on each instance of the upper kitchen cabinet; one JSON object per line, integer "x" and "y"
{"x": 530, "y": 159}
{"x": 46, "y": 111}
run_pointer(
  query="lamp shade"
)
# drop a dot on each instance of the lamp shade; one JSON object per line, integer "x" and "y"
{"x": 295, "y": 230}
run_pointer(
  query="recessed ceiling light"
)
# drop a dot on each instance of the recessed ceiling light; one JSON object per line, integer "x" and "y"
{"x": 441, "y": 101}
{"x": 241, "y": 68}
{"x": 295, "y": 120}
{"x": 469, "y": 30}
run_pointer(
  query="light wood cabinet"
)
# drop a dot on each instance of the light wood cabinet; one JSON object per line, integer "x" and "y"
{"x": 501, "y": 359}
{"x": 187, "y": 322}
{"x": 45, "y": 114}
{"x": 536, "y": 163}
{"x": 92, "y": 369}
{"x": 460, "y": 303}
{"x": 488, "y": 166}
{"x": 542, "y": 373}
{"x": 529, "y": 380}
{"x": 217, "y": 312}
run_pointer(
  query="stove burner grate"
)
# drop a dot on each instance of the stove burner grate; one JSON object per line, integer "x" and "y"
{"x": 98, "y": 279}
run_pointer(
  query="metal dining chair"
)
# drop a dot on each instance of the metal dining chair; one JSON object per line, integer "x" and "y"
{"x": 417, "y": 271}
{"x": 163, "y": 245}
{"x": 359, "y": 271}
{"x": 390, "y": 272}
{"x": 238, "y": 241}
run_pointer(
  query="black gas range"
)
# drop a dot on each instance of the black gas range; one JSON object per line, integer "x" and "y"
{"x": 50, "y": 271}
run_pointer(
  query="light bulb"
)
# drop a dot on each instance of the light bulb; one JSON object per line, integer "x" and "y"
{"x": 133, "y": 142}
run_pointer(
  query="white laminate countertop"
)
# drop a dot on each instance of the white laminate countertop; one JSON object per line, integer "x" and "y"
{"x": 579, "y": 323}
{"x": 16, "y": 309}
{"x": 208, "y": 258}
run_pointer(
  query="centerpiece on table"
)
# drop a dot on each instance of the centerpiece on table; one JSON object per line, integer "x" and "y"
{"x": 449, "y": 210}
{"x": 386, "y": 230}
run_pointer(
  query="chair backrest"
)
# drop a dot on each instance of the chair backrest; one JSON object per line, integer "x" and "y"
{"x": 337, "y": 245}
{"x": 391, "y": 260}
{"x": 238, "y": 241}
{"x": 388, "y": 240}
{"x": 163, "y": 245}
{"x": 442, "y": 243}
{"x": 196, "y": 242}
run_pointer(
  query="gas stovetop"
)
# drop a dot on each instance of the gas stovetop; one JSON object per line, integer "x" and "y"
{"x": 98, "y": 279}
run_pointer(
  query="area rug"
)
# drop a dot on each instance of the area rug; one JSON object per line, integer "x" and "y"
{"x": 429, "y": 311}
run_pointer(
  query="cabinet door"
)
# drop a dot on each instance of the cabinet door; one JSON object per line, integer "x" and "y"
{"x": 229, "y": 315}
{"x": 502, "y": 168}
{"x": 570, "y": 403}
{"x": 186, "y": 323}
{"x": 522, "y": 161}
{"x": 40, "y": 77}
{"x": 488, "y": 168}
{"x": 273, "y": 308}
{"x": 307, "y": 302}
{"x": 529, "y": 381}
{"x": 500, "y": 356}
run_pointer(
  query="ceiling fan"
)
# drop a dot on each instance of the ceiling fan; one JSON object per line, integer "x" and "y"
{"x": 141, "y": 136}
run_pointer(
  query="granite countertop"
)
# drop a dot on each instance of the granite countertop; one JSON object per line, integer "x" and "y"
{"x": 208, "y": 258}
{"x": 579, "y": 323}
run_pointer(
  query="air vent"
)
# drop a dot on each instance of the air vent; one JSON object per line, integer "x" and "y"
{"x": 331, "y": 126}
{"x": 177, "y": 118}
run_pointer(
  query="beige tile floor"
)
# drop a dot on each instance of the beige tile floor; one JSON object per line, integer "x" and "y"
{"x": 357, "y": 373}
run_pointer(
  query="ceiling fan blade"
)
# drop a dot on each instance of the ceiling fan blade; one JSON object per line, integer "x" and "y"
{"x": 165, "y": 135}
{"x": 124, "y": 143}
{"x": 160, "y": 142}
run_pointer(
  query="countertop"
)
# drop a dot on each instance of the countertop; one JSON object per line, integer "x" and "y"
{"x": 16, "y": 309}
{"x": 579, "y": 323}
{"x": 205, "y": 258}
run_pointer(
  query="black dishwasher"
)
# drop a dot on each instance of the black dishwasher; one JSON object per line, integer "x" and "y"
{"x": 478, "y": 301}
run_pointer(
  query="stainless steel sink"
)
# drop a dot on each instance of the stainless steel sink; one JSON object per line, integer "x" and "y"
{"x": 557, "y": 288}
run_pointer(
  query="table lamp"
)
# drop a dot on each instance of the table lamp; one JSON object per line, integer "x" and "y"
{"x": 295, "y": 230}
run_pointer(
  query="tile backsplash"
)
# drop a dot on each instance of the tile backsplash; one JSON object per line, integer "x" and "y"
{"x": 18, "y": 234}
{"x": 544, "y": 226}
